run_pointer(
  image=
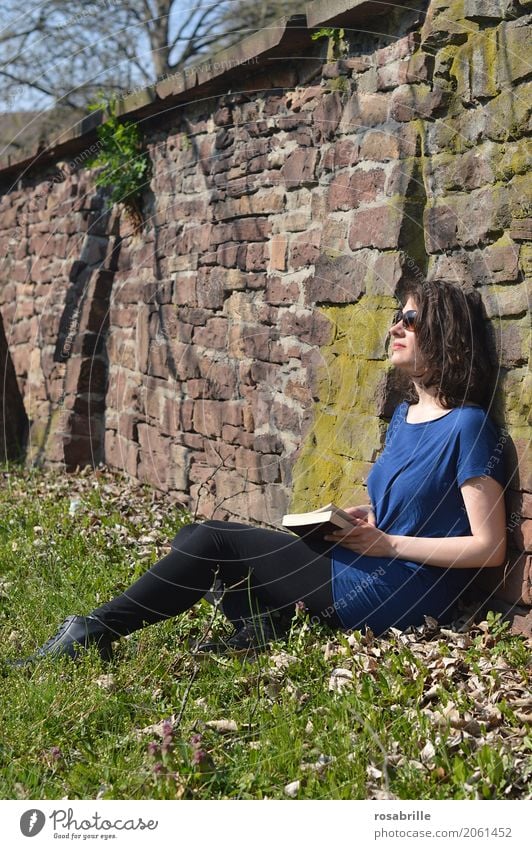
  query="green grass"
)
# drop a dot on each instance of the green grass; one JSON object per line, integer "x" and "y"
{"x": 76, "y": 729}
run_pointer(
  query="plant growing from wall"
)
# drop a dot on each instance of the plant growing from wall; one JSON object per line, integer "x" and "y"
{"x": 336, "y": 47}
{"x": 124, "y": 162}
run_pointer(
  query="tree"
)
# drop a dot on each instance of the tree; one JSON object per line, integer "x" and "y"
{"x": 65, "y": 52}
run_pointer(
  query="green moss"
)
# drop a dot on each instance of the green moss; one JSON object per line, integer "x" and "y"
{"x": 338, "y": 84}
{"x": 516, "y": 158}
{"x": 346, "y": 432}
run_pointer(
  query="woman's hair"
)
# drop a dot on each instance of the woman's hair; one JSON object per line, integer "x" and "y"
{"x": 451, "y": 334}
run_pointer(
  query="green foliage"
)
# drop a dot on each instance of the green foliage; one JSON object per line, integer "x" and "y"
{"x": 329, "y": 32}
{"x": 336, "y": 47}
{"x": 125, "y": 165}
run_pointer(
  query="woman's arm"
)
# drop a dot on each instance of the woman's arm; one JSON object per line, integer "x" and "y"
{"x": 484, "y": 504}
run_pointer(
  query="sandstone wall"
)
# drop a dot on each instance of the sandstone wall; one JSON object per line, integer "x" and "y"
{"x": 233, "y": 351}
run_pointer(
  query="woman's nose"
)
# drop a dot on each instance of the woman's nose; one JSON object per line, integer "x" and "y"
{"x": 397, "y": 328}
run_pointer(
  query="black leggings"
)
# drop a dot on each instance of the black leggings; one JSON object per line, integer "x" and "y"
{"x": 259, "y": 570}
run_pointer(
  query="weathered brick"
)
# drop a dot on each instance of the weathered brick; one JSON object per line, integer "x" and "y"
{"x": 326, "y": 116}
{"x": 364, "y": 110}
{"x": 378, "y": 227}
{"x": 409, "y": 102}
{"x": 304, "y": 249}
{"x": 256, "y": 256}
{"x": 207, "y": 417}
{"x": 398, "y": 49}
{"x": 440, "y": 223}
{"x": 281, "y": 290}
{"x": 213, "y": 334}
{"x": 278, "y": 247}
{"x": 300, "y": 167}
{"x": 363, "y": 186}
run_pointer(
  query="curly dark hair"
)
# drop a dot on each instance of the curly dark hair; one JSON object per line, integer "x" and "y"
{"x": 452, "y": 336}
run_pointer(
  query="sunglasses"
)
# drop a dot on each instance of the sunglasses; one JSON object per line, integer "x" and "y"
{"x": 408, "y": 318}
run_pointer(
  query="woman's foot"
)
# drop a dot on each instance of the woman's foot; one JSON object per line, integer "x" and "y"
{"x": 73, "y": 636}
{"x": 253, "y": 636}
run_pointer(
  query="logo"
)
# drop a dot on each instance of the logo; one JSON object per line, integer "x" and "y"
{"x": 32, "y": 822}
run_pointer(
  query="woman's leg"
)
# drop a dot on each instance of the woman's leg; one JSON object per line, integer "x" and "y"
{"x": 276, "y": 568}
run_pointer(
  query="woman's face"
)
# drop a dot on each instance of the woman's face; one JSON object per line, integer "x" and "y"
{"x": 404, "y": 351}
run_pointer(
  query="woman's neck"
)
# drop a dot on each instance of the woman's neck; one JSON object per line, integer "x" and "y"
{"x": 428, "y": 399}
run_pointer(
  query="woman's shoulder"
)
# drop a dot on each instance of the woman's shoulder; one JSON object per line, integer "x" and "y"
{"x": 473, "y": 413}
{"x": 472, "y": 417}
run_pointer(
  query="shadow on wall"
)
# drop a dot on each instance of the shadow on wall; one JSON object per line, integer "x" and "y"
{"x": 13, "y": 418}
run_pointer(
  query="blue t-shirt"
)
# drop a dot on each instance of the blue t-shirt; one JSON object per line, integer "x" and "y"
{"x": 414, "y": 489}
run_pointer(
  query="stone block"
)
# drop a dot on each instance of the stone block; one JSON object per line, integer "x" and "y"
{"x": 213, "y": 335}
{"x": 417, "y": 68}
{"x": 398, "y": 49}
{"x": 519, "y": 503}
{"x": 183, "y": 361}
{"x": 207, "y": 418}
{"x": 409, "y": 102}
{"x": 256, "y": 467}
{"x": 361, "y": 187}
{"x": 515, "y": 51}
{"x": 441, "y": 226}
{"x": 481, "y": 10}
{"x": 364, "y": 110}
{"x": 377, "y": 227}
{"x": 309, "y": 326}
{"x": 521, "y": 535}
{"x": 282, "y": 290}
{"x": 305, "y": 249}
{"x": 326, "y": 116}
{"x": 299, "y": 168}
{"x": 512, "y": 342}
{"x": 221, "y": 378}
{"x": 256, "y": 257}
{"x": 521, "y": 229}
{"x": 510, "y": 582}
{"x": 278, "y": 247}
{"x": 177, "y": 477}
{"x": 85, "y": 376}
{"x": 505, "y": 301}
{"x": 338, "y": 279}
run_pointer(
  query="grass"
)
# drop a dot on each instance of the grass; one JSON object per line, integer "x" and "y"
{"x": 425, "y": 714}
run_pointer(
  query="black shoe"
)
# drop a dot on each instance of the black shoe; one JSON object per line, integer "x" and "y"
{"x": 253, "y": 636}
{"x": 73, "y": 636}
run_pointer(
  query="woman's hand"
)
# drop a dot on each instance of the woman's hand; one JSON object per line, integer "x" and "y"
{"x": 363, "y": 511}
{"x": 363, "y": 538}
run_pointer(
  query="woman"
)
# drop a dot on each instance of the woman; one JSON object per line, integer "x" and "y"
{"x": 436, "y": 513}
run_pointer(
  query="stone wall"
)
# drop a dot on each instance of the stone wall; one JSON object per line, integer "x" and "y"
{"x": 232, "y": 351}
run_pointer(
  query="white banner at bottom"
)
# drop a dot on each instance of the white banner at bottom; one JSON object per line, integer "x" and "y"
{"x": 272, "y": 824}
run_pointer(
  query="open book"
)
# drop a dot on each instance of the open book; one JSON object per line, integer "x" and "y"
{"x": 317, "y": 522}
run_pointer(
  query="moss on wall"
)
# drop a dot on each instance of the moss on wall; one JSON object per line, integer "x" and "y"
{"x": 346, "y": 433}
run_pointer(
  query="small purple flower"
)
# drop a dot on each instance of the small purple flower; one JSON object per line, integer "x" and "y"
{"x": 195, "y": 740}
{"x": 301, "y": 607}
{"x": 198, "y": 757}
{"x": 153, "y": 749}
{"x": 167, "y": 728}
{"x": 166, "y": 744}
{"x": 55, "y": 753}
{"x": 158, "y": 768}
